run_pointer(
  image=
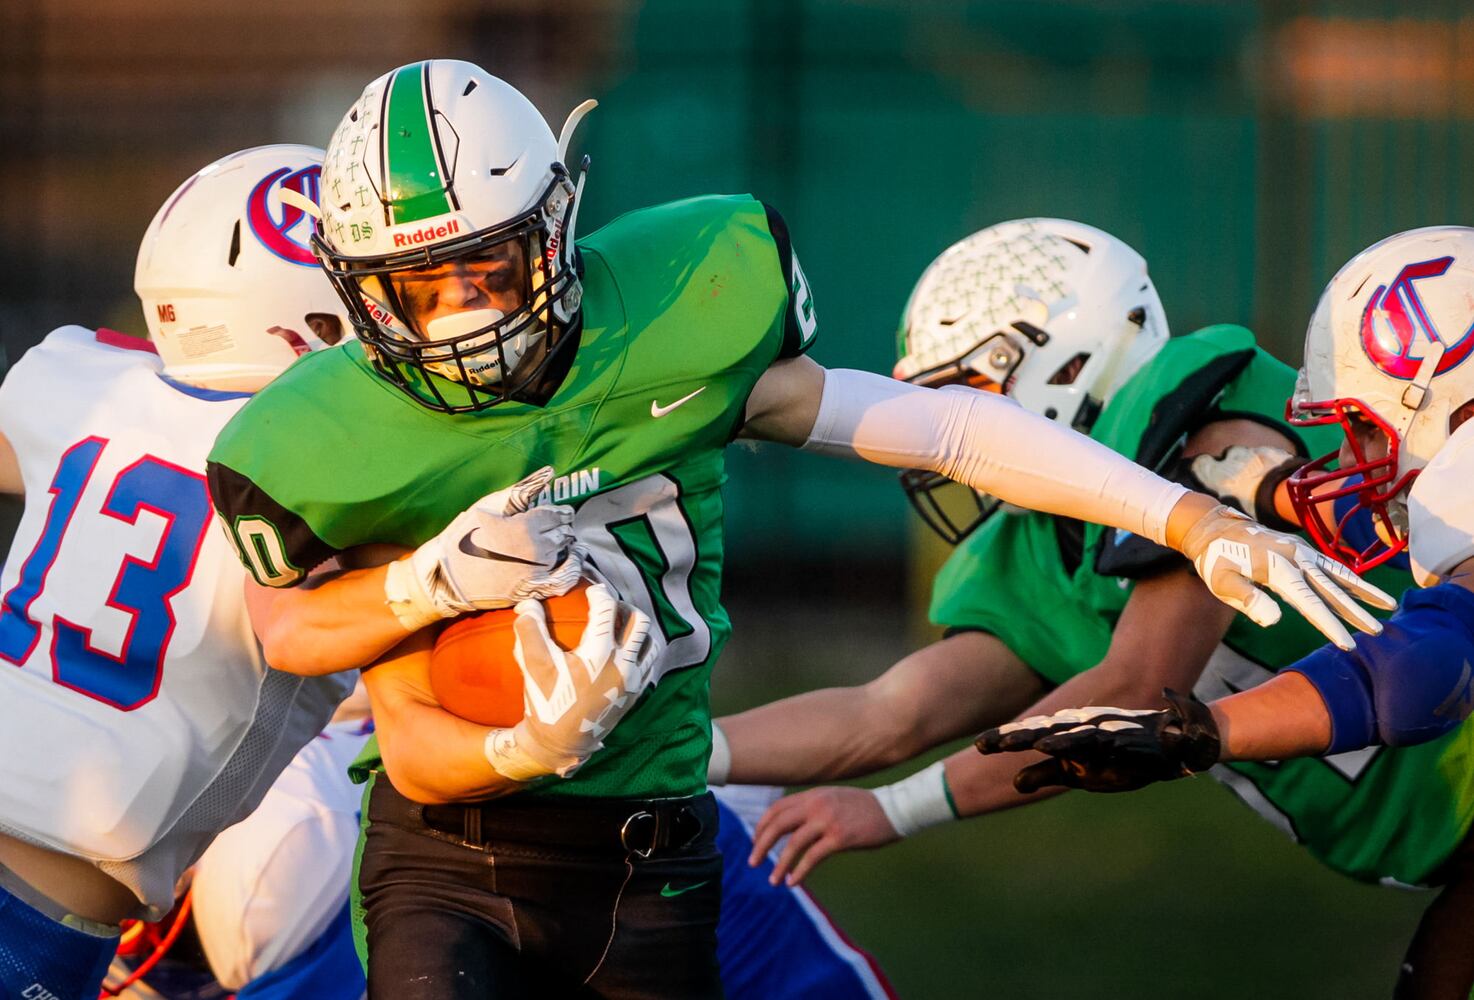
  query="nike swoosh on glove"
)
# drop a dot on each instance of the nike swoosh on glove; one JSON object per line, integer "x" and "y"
{"x": 502, "y": 549}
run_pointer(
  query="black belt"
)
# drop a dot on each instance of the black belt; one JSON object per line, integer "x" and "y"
{"x": 643, "y": 827}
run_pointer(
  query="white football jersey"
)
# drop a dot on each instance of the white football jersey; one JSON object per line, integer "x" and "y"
{"x": 137, "y": 718}
{"x": 1440, "y": 509}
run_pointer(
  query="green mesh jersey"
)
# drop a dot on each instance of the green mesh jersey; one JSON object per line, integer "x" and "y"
{"x": 685, "y": 305}
{"x": 1049, "y": 589}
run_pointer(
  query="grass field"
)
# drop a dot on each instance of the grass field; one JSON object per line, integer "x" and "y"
{"x": 1175, "y": 891}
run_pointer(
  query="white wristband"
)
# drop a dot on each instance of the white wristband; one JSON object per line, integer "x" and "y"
{"x": 509, "y": 760}
{"x": 915, "y": 803}
{"x": 406, "y": 597}
{"x": 719, "y": 766}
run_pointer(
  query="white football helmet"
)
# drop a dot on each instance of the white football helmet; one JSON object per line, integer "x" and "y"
{"x": 1057, "y": 314}
{"x": 231, "y": 291}
{"x": 1385, "y": 354}
{"x": 441, "y": 181}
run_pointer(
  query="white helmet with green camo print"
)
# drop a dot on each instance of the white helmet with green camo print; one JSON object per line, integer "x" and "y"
{"x": 1056, "y": 314}
{"x": 447, "y": 226}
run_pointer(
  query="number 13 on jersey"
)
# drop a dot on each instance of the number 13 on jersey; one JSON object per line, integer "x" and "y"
{"x": 142, "y": 587}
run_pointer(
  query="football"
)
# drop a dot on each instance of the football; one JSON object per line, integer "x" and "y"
{"x": 473, "y": 673}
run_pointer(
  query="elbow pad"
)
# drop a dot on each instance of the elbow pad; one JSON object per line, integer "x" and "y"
{"x": 1409, "y": 685}
{"x": 993, "y": 445}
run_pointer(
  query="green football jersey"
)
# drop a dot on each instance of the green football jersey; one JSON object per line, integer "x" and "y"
{"x": 1046, "y": 587}
{"x": 684, "y": 307}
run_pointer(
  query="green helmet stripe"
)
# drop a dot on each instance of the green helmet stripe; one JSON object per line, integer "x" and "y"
{"x": 415, "y": 187}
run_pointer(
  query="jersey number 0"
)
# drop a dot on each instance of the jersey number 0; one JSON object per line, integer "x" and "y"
{"x": 142, "y": 589}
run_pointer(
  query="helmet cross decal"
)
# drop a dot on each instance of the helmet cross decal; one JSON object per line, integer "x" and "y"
{"x": 276, "y": 234}
{"x": 1395, "y": 318}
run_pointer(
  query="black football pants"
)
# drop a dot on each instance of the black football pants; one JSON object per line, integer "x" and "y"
{"x": 540, "y": 898}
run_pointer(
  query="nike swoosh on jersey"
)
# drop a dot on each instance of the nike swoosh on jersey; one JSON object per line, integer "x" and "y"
{"x": 656, "y": 410}
{"x": 668, "y": 892}
{"x": 470, "y": 548}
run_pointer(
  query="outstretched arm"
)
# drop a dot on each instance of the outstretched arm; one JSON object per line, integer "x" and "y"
{"x": 986, "y": 441}
{"x": 1166, "y": 634}
{"x": 1408, "y": 685}
{"x": 944, "y": 691}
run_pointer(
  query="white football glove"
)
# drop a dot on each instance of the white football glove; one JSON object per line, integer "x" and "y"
{"x": 500, "y": 550}
{"x": 1239, "y": 475}
{"x": 1233, "y": 553}
{"x": 573, "y": 699}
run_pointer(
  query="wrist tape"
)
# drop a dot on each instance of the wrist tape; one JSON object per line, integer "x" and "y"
{"x": 915, "y": 803}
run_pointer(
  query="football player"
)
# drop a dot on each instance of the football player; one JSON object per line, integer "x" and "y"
{"x": 1384, "y": 366}
{"x": 1045, "y": 612}
{"x": 491, "y": 344}
{"x": 268, "y": 911}
{"x": 137, "y": 717}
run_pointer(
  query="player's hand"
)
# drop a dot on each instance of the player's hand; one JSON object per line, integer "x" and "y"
{"x": 1248, "y": 477}
{"x": 1233, "y": 553}
{"x": 501, "y": 550}
{"x": 1111, "y": 749}
{"x": 574, "y": 698}
{"x": 818, "y": 822}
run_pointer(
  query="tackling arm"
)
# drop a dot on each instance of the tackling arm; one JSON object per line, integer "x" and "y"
{"x": 946, "y": 690}
{"x": 1166, "y": 633}
{"x": 1408, "y": 685}
{"x": 500, "y": 550}
{"x": 334, "y": 621}
{"x": 986, "y": 441}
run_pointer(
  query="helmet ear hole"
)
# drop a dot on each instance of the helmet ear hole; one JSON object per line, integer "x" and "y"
{"x": 1460, "y": 414}
{"x": 326, "y": 327}
{"x": 1070, "y": 370}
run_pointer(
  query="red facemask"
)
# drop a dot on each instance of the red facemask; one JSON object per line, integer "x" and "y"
{"x": 1315, "y": 487}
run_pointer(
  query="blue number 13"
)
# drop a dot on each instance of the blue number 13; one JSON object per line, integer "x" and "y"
{"x": 142, "y": 589}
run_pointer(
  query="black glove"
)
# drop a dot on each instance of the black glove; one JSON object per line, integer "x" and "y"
{"x": 1111, "y": 749}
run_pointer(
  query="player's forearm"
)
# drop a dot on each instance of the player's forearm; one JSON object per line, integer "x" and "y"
{"x": 940, "y": 692}
{"x": 1283, "y": 717}
{"x": 816, "y": 736}
{"x": 341, "y": 623}
{"x": 434, "y": 757}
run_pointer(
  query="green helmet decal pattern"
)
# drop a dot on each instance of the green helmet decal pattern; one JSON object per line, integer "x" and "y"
{"x": 414, "y": 169}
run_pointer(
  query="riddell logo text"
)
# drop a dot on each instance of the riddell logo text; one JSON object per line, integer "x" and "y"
{"x": 427, "y": 234}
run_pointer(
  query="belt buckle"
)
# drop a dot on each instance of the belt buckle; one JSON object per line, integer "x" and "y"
{"x": 629, "y": 834}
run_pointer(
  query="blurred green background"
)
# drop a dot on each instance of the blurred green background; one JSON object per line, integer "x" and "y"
{"x": 1245, "y": 148}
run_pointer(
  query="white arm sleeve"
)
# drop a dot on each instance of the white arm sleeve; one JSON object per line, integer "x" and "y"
{"x": 990, "y": 443}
